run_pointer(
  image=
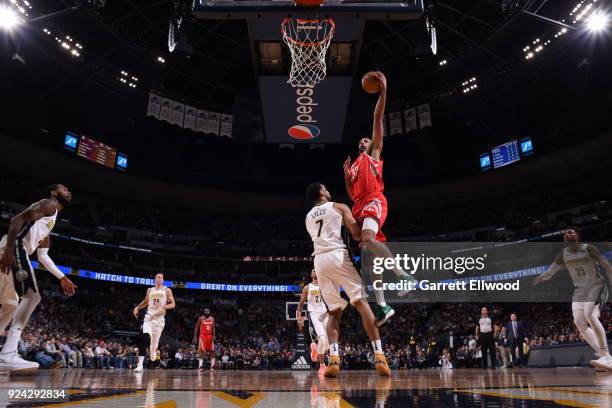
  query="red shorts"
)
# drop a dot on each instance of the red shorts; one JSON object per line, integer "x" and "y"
{"x": 206, "y": 344}
{"x": 373, "y": 206}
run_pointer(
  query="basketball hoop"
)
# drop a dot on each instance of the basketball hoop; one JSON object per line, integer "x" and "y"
{"x": 308, "y": 41}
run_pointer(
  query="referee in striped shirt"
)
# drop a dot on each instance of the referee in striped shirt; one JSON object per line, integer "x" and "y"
{"x": 484, "y": 335}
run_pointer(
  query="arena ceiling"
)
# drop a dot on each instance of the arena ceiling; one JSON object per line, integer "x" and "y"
{"x": 557, "y": 92}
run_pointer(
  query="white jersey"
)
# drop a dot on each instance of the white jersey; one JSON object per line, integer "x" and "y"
{"x": 315, "y": 301}
{"x": 324, "y": 224}
{"x": 582, "y": 267}
{"x": 157, "y": 300}
{"x": 33, "y": 233}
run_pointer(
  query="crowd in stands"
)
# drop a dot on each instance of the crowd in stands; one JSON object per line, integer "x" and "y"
{"x": 95, "y": 329}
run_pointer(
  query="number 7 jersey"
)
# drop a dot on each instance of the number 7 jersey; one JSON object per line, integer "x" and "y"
{"x": 324, "y": 224}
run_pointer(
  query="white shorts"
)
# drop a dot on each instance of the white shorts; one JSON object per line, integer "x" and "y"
{"x": 8, "y": 294}
{"x": 582, "y": 305}
{"x": 318, "y": 321}
{"x": 153, "y": 326}
{"x": 335, "y": 270}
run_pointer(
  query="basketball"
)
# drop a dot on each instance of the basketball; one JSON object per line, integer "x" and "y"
{"x": 369, "y": 83}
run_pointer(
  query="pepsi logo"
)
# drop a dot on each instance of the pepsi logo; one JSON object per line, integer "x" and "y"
{"x": 304, "y": 132}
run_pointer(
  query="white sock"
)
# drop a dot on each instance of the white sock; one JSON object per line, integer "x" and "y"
{"x": 140, "y": 361}
{"x": 376, "y": 344}
{"x": 333, "y": 349}
{"x": 12, "y": 340}
{"x": 200, "y": 362}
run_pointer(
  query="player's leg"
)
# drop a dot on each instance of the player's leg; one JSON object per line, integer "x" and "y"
{"x": 143, "y": 342}
{"x": 592, "y": 312}
{"x": 201, "y": 353}
{"x": 21, "y": 315}
{"x": 211, "y": 358}
{"x": 582, "y": 323}
{"x": 352, "y": 285}
{"x": 318, "y": 321}
{"x": 156, "y": 332}
{"x": 328, "y": 267}
{"x": 333, "y": 334}
{"x": 313, "y": 337}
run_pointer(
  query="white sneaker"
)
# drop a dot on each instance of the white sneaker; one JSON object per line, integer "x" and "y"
{"x": 603, "y": 362}
{"x": 138, "y": 369}
{"x": 13, "y": 361}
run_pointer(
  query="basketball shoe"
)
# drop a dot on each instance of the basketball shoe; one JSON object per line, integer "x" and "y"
{"x": 383, "y": 314}
{"x": 313, "y": 351}
{"x": 13, "y": 361}
{"x": 333, "y": 366}
{"x": 380, "y": 363}
{"x": 603, "y": 362}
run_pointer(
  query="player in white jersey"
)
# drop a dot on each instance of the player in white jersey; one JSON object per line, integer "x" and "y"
{"x": 317, "y": 316}
{"x": 29, "y": 232}
{"x": 334, "y": 269}
{"x": 159, "y": 299}
{"x": 583, "y": 262}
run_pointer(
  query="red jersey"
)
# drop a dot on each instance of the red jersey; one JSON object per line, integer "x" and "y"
{"x": 207, "y": 327}
{"x": 366, "y": 177}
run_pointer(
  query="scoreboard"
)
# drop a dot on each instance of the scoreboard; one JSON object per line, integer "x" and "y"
{"x": 96, "y": 151}
{"x": 505, "y": 154}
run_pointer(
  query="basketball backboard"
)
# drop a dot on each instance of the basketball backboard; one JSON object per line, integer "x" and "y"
{"x": 385, "y": 9}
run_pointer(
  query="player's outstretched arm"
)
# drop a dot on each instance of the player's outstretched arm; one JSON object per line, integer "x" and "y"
{"x": 347, "y": 176}
{"x": 349, "y": 220}
{"x": 298, "y": 312}
{"x": 142, "y": 304}
{"x": 42, "y": 253}
{"x": 378, "y": 127}
{"x": 554, "y": 267}
{"x": 36, "y": 211}
{"x": 603, "y": 262}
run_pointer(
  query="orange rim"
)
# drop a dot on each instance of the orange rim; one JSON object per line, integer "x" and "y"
{"x": 308, "y": 44}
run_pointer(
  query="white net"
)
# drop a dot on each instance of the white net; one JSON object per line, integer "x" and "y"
{"x": 308, "y": 41}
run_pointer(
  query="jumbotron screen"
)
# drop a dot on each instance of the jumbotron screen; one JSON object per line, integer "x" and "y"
{"x": 97, "y": 152}
{"x": 505, "y": 154}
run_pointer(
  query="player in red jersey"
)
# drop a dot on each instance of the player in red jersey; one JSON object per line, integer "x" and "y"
{"x": 365, "y": 186}
{"x": 206, "y": 328}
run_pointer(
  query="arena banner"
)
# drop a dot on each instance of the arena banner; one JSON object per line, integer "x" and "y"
{"x": 137, "y": 280}
{"x": 490, "y": 272}
{"x": 304, "y": 114}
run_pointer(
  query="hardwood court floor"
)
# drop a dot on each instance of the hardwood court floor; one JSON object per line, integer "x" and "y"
{"x": 573, "y": 387}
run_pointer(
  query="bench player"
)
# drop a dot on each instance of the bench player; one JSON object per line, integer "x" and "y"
{"x": 334, "y": 269}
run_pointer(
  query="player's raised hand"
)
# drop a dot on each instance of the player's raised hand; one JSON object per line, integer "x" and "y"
{"x": 347, "y": 166}
{"x": 382, "y": 80}
{"x": 135, "y": 312}
{"x": 68, "y": 286}
{"x": 537, "y": 280}
{"x": 300, "y": 324}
